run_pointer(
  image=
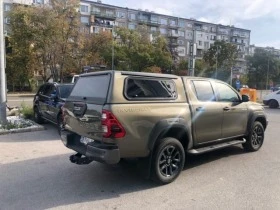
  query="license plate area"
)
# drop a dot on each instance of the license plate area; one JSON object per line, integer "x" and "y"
{"x": 85, "y": 140}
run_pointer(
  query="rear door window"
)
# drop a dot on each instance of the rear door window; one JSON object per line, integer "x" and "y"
{"x": 92, "y": 88}
{"x": 137, "y": 88}
{"x": 49, "y": 89}
{"x": 203, "y": 90}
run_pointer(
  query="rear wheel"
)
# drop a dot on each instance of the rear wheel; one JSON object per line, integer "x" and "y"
{"x": 168, "y": 160}
{"x": 273, "y": 104}
{"x": 255, "y": 139}
{"x": 37, "y": 116}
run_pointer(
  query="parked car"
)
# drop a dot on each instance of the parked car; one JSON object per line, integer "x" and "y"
{"x": 48, "y": 101}
{"x": 272, "y": 99}
{"x": 112, "y": 115}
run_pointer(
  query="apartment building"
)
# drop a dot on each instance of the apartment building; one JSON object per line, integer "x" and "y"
{"x": 8, "y": 4}
{"x": 272, "y": 50}
{"x": 180, "y": 32}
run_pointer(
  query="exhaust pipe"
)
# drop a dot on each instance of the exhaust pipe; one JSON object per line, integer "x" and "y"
{"x": 79, "y": 159}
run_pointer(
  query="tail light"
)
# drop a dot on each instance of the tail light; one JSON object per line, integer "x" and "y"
{"x": 111, "y": 126}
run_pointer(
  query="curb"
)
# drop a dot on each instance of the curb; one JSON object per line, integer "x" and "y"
{"x": 21, "y": 95}
{"x": 23, "y": 130}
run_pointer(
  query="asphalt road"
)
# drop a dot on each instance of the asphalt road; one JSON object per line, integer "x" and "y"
{"x": 18, "y": 100}
{"x": 35, "y": 173}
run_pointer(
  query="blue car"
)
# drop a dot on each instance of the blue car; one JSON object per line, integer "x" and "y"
{"x": 48, "y": 101}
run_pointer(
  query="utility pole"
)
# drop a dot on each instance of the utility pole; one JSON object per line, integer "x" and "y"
{"x": 113, "y": 50}
{"x": 267, "y": 74}
{"x": 3, "y": 115}
{"x": 192, "y": 54}
{"x": 217, "y": 53}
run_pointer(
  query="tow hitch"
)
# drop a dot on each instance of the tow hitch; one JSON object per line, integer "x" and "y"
{"x": 78, "y": 159}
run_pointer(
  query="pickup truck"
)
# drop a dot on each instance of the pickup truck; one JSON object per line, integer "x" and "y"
{"x": 111, "y": 115}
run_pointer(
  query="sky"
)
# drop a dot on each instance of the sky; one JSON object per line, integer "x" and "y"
{"x": 262, "y": 17}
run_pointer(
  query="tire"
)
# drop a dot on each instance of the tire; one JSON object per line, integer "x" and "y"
{"x": 255, "y": 139}
{"x": 168, "y": 161}
{"x": 273, "y": 104}
{"x": 60, "y": 124}
{"x": 37, "y": 116}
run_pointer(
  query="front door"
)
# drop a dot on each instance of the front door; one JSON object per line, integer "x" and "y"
{"x": 235, "y": 114}
{"x": 207, "y": 113}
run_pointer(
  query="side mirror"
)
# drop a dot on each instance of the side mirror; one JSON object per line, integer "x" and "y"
{"x": 245, "y": 98}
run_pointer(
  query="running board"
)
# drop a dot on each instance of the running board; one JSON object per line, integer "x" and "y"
{"x": 215, "y": 147}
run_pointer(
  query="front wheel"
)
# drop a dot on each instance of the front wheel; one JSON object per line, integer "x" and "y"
{"x": 273, "y": 104}
{"x": 168, "y": 160}
{"x": 254, "y": 140}
{"x": 37, "y": 116}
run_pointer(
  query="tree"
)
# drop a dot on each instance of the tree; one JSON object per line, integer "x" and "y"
{"x": 263, "y": 68}
{"x": 135, "y": 51}
{"x": 221, "y": 55}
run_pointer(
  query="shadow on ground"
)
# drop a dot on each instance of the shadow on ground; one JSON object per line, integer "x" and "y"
{"x": 53, "y": 181}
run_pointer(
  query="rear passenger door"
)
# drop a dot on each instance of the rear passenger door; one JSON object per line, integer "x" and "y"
{"x": 207, "y": 112}
{"x": 235, "y": 114}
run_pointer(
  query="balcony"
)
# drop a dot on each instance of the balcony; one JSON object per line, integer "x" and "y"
{"x": 174, "y": 44}
{"x": 173, "y": 26}
{"x": 148, "y": 22}
{"x": 105, "y": 25}
{"x": 104, "y": 15}
{"x": 173, "y": 35}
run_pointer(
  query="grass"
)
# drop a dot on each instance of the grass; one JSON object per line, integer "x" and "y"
{"x": 26, "y": 111}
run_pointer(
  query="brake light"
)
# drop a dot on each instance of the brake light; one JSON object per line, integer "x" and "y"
{"x": 111, "y": 126}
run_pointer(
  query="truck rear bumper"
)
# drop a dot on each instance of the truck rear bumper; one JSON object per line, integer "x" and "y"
{"x": 101, "y": 152}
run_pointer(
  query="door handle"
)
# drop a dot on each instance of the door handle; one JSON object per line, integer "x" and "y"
{"x": 200, "y": 109}
{"x": 226, "y": 109}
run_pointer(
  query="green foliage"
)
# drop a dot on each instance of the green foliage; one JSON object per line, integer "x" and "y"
{"x": 26, "y": 111}
{"x": 135, "y": 52}
{"x": 263, "y": 67}
{"x": 221, "y": 55}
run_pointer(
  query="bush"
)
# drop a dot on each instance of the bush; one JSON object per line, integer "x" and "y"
{"x": 26, "y": 111}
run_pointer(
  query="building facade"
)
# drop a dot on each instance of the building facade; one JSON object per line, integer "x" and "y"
{"x": 272, "y": 50}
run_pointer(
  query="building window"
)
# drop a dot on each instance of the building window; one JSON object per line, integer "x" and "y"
{"x": 84, "y": 8}
{"x": 172, "y": 22}
{"x": 7, "y": 7}
{"x": 163, "y": 21}
{"x": 181, "y": 42}
{"x": 7, "y": 20}
{"x": 38, "y": 1}
{"x": 154, "y": 19}
{"x": 213, "y": 29}
{"x": 109, "y": 12}
{"x": 120, "y": 24}
{"x": 199, "y": 35}
{"x": 200, "y": 43}
{"x": 181, "y": 33}
{"x": 206, "y": 45}
{"x": 131, "y": 26}
{"x": 120, "y": 14}
{"x": 213, "y": 37}
{"x": 153, "y": 29}
{"x": 205, "y": 28}
{"x": 181, "y": 51}
{"x": 181, "y": 23}
{"x": 96, "y": 10}
{"x": 189, "y": 25}
{"x": 163, "y": 31}
{"x": 96, "y": 30}
{"x": 84, "y": 19}
{"x": 132, "y": 16}
{"x": 207, "y": 37}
